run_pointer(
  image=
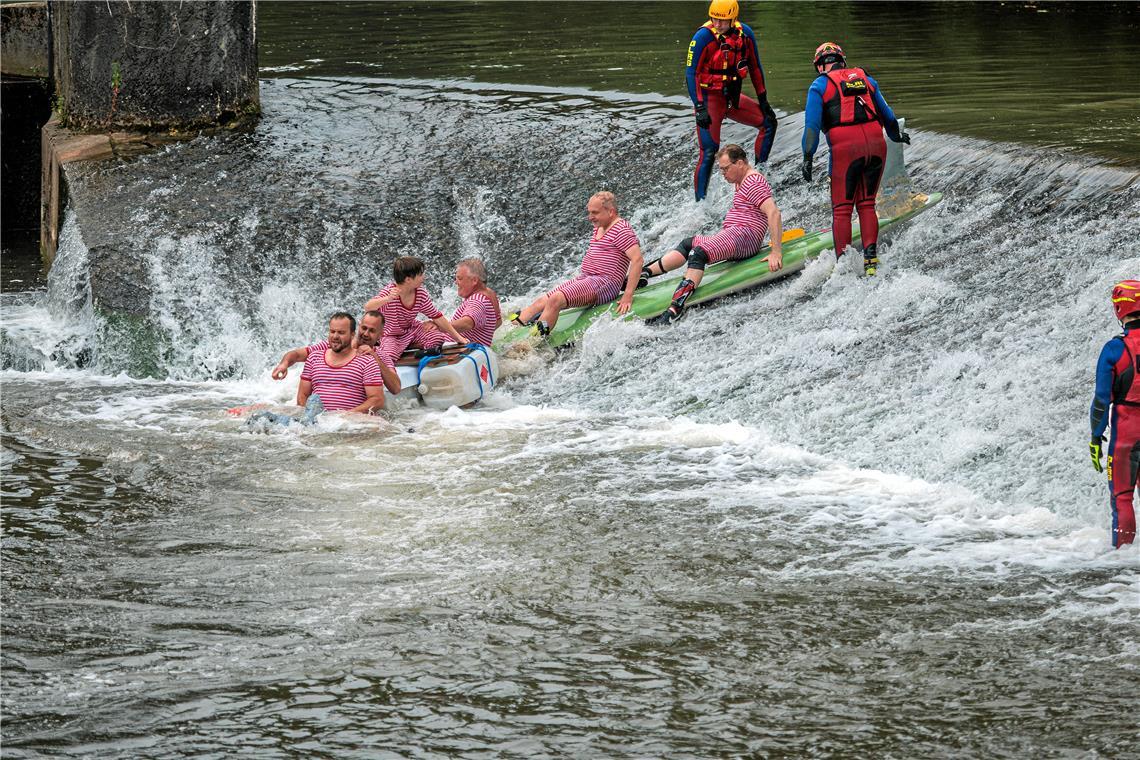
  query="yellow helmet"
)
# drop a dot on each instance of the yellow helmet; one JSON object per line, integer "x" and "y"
{"x": 726, "y": 10}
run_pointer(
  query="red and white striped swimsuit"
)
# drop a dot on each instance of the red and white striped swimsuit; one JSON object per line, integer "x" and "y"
{"x": 604, "y": 269}
{"x": 479, "y": 308}
{"x": 402, "y": 329}
{"x": 340, "y": 387}
{"x": 744, "y": 225}
{"x": 324, "y": 345}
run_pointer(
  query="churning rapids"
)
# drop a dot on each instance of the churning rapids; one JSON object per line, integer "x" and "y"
{"x": 836, "y": 515}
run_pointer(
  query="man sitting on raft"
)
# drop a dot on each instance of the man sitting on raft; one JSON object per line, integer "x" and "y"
{"x": 613, "y": 258}
{"x": 479, "y": 314}
{"x": 401, "y": 302}
{"x": 752, "y": 214}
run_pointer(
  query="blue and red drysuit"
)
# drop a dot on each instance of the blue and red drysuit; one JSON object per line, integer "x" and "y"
{"x": 847, "y": 105}
{"x": 1117, "y": 389}
{"x": 714, "y": 72}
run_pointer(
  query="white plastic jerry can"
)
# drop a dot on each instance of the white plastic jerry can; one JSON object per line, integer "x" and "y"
{"x": 458, "y": 378}
{"x": 409, "y": 379}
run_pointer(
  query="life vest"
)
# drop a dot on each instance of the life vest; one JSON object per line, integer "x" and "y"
{"x": 727, "y": 63}
{"x": 1125, "y": 389}
{"x": 853, "y": 102}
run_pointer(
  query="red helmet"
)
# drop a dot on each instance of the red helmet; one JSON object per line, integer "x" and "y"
{"x": 1126, "y": 298}
{"x": 829, "y": 52}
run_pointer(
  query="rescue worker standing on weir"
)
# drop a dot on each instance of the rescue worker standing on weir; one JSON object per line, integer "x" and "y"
{"x": 846, "y": 104}
{"x": 721, "y": 54}
{"x": 1118, "y": 388}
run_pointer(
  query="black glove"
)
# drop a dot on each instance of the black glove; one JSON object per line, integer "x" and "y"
{"x": 732, "y": 92}
{"x": 767, "y": 109}
{"x": 704, "y": 121}
{"x": 904, "y": 137}
{"x": 805, "y": 168}
{"x": 1095, "y": 453}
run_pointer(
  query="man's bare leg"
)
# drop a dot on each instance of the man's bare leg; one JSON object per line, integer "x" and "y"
{"x": 666, "y": 263}
{"x": 695, "y": 272}
{"x": 554, "y": 304}
{"x": 530, "y": 312}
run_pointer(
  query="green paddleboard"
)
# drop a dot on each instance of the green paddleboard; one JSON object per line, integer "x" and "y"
{"x": 719, "y": 280}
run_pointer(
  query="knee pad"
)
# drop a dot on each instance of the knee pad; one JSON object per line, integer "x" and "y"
{"x": 698, "y": 259}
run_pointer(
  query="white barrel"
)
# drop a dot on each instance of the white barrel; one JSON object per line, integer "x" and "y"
{"x": 408, "y": 381}
{"x": 459, "y": 379}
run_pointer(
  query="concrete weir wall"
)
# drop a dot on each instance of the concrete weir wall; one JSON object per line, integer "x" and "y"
{"x": 154, "y": 65}
{"x": 24, "y": 42}
{"x": 129, "y": 75}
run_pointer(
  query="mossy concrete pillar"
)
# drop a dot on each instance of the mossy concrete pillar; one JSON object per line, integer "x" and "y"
{"x": 24, "y": 40}
{"x": 138, "y": 65}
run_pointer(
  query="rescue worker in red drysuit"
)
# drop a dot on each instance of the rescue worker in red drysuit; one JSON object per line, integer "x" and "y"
{"x": 847, "y": 105}
{"x": 722, "y": 52}
{"x": 1116, "y": 402}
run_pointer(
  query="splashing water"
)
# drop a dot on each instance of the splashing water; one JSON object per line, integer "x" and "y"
{"x": 814, "y": 513}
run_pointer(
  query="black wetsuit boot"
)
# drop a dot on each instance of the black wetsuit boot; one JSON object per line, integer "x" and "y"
{"x": 643, "y": 278}
{"x": 871, "y": 259}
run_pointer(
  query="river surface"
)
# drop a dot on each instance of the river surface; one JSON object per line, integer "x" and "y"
{"x": 836, "y": 516}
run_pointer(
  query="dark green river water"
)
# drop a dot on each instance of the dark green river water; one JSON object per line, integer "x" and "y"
{"x": 1053, "y": 74}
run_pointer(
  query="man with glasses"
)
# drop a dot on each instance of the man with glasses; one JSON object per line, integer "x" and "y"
{"x": 752, "y": 214}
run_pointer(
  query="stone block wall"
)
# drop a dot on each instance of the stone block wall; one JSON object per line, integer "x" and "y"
{"x": 154, "y": 65}
{"x": 24, "y": 40}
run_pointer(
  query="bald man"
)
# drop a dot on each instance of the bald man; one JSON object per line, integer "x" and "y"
{"x": 613, "y": 259}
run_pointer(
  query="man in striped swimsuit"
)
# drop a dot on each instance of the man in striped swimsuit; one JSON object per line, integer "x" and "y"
{"x": 613, "y": 259}
{"x": 401, "y": 302}
{"x": 371, "y": 326}
{"x": 752, "y": 214}
{"x": 478, "y": 315}
{"x": 343, "y": 379}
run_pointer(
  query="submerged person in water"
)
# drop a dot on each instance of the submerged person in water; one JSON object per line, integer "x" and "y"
{"x": 367, "y": 337}
{"x": 613, "y": 261}
{"x": 344, "y": 378}
{"x": 752, "y": 215}
{"x": 401, "y": 302}
{"x": 1117, "y": 399}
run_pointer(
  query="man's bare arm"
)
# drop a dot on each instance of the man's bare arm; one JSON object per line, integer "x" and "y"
{"x": 288, "y": 360}
{"x": 463, "y": 323}
{"x": 636, "y": 262}
{"x": 304, "y": 390}
{"x": 443, "y": 324}
{"x": 776, "y": 233}
{"x": 389, "y": 375}
{"x": 374, "y": 400}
